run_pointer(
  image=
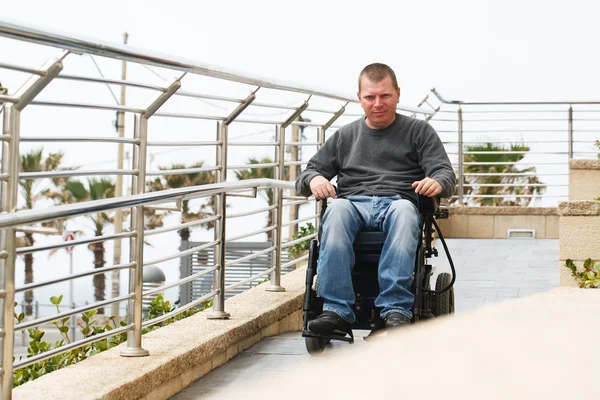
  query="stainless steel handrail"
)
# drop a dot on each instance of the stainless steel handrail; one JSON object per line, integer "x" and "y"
{"x": 76, "y": 43}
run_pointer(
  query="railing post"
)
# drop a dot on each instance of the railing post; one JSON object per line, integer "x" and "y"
{"x": 275, "y": 285}
{"x": 218, "y": 311}
{"x": 11, "y": 162}
{"x": 220, "y": 257}
{"x": 461, "y": 183}
{"x": 570, "y": 135}
{"x": 136, "y": 249}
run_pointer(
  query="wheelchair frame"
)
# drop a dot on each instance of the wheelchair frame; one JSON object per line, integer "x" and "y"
{"x": 428, "y": 302}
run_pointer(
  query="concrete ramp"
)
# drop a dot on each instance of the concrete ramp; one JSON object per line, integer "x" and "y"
{"x": 541, "y": 347}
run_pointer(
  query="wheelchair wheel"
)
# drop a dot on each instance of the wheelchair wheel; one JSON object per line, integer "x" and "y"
{"x": 315, "y": 345}
{"x": 444, "y": 302}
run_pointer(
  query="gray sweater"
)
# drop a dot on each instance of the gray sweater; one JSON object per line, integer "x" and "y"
{"x": 381, "y": 162}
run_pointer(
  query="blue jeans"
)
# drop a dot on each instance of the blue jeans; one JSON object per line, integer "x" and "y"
{"x": 343, "y": 220}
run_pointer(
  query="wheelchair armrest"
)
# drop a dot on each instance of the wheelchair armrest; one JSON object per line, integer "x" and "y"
{"x": 428, "y": 205}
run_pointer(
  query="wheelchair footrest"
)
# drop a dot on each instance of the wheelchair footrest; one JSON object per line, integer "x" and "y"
{"x": 349, "y": 338}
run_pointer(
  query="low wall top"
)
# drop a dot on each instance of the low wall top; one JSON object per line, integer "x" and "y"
{"x": 462, "y": 210}
{"x": 578, "y": 208}
{"x": 584, "y": 164}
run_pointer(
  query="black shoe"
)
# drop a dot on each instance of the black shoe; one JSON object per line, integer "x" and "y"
{"x": 329, "y": 323}
{"x": 396, "y": 320}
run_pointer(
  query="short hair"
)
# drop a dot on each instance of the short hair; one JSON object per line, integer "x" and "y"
{"x": 377, "y": 72}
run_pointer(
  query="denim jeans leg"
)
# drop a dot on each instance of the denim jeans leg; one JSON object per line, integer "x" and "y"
{"x": 401, "y": 224}
{"x": 341, "y": 223}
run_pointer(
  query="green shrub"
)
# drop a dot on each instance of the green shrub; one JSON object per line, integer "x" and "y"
{"x": 589, "y": 277}
{"x": 89, "y": 328}
{"x": 298, "y": 248}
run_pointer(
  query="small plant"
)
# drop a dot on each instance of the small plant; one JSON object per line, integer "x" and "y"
{"x": 298, "y": 248}
{"x": 589, "y": 277}
{"x": 597, "y": 145}
{"x": 89, "y": 327}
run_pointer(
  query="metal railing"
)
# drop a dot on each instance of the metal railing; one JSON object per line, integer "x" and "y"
{"x": 298, "y": 108}
{"x": 478, "y": 138}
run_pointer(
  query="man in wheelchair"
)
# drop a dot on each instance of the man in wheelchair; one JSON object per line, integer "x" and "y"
{"x": 383, "y": 163}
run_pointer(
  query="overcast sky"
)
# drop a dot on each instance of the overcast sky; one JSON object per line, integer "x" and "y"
{"x": 467, "y": 49}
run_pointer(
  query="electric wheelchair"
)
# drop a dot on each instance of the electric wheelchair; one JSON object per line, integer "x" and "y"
{"x": 368, "y": 245}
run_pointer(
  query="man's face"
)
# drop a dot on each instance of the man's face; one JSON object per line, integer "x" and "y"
{"x": 378, "y": 100}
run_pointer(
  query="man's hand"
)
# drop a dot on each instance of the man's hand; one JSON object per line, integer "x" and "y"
{"x": 426, "y": 187}
{"x": 321, "y": 188}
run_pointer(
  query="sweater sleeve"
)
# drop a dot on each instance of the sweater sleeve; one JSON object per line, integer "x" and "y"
{"x": 434, "y": 160}
{"x": 323, "y": 163}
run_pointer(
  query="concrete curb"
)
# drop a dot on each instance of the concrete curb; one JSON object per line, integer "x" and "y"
{"x": 179, "y": 353}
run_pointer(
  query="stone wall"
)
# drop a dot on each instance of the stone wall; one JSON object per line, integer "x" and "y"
{"x": 584, "y": 179}
{"x": 494, "y": 222}
{"x": 579, "y": 224}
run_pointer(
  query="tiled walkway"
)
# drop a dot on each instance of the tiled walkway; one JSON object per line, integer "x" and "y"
{"x": 487, "y": 271}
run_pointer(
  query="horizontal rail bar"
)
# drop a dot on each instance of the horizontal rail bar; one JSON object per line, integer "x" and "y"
{"x": 189, "y": 116}
{"x": 71, "y": 172}
{"x": 180, "y": 281}
{"x": 182, "y": 253}
{"x": 251, "y": 212}
{"x": 95, "y": 271}
{"x": 248, "y": 280}
{"x": 183, "y": 171}
{"x": 184, "y": 144}
{"x": 252, "y": 166}
{"x": 250, "y": 257}
{"x": 511, "y": 185}
{"x": 8, "y": 99}
{"x": 293, "y": 203}
{"x": 95, "y": 239}
{"x": 295, "y": 261}
{"x": 71, "y": 346}
{"x": 30, "y": 217}
{"x": 111, "y": 81}
{"x": 179, "y": 310}
{"x": 253, "y": 143}
{"x": 302, "y": 239}
{"x": 181, "y": 226}
{"x": 302, "y": 143}
{"x": 78, "y": 139}
{"x": 88, "y": 105}
{"x": 207, "y": 96}
{"x": 297, "y": 221}
{"x": 295, "y": 163}
{"x": 21, "y": 69}
{"x": 253, "y": 233}
{"x": 100, "y": 304}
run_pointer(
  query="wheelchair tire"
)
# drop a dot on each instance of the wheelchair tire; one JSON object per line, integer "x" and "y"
{"x": 443, "y": 303}
{"x": 314, "y": 345}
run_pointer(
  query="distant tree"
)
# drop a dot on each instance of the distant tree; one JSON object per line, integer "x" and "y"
{"x": 261, "y": 173}
{"x": 502, "y": 163}
{"x": 96, "y": 189}
{"x": 33, "y": 161}
{"x": 185, "y": 180}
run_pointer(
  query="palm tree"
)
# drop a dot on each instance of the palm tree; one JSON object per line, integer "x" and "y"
{"x": 33, "y": 161}
{"x": 185, "y": 180}
{"x": 506, "y": 165}
{"x": 97, "y": 189}
{"x": 258, "y": 173}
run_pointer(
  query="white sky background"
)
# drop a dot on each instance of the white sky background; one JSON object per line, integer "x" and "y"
{"x": 477, "y": 50}
{"x": 467, "y": 50}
